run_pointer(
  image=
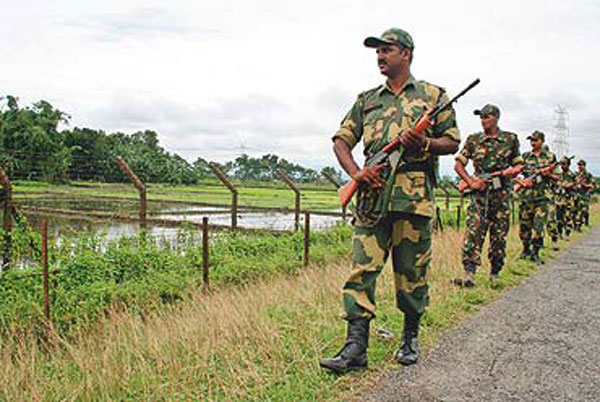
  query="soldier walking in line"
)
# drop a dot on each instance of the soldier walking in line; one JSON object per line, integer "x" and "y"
{"x": 565, "y": 201}
{"x": 538, "y": 168}
{"x": 401, "y": 228}
{"x": 496, "y": 158}
{"x": 584, "y": 187}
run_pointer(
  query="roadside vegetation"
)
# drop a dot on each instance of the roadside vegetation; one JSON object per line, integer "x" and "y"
{"x": 254, "y": 337}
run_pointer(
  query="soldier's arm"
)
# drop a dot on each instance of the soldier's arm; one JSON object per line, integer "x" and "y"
{"x": 343, "y": 153}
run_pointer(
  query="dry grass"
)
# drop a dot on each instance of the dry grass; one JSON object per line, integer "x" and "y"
{"x": 261, "y": 341}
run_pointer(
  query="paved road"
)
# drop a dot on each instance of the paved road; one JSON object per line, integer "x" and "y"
{"x": 539, "y": 342}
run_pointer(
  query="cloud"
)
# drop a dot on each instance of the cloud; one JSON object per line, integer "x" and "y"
{"x": 139, "y": 22}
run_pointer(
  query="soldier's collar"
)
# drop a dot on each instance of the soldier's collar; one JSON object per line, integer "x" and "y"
{"x": 411, "y": 81}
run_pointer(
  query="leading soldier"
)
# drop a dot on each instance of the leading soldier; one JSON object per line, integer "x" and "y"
{"x": 496, "y": 158}
{"x": 402, "y": 226}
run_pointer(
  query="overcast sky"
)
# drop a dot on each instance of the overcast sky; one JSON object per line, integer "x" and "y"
{"x": 219, "y": 78}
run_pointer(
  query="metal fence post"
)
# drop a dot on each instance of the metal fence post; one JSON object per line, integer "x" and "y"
{"x": 234, "y": 192}
{"x": 337, "y": 185}
{"x": 205, "y": 253}
{"x": 7, "y": 222}
{"x": 295, "y": 189}
{"x": 139, "y": 185}
{"x": 46, "y": 275}
{"x": 306, "y": 237}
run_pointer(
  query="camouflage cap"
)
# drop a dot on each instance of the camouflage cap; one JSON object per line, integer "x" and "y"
{"x": 488, "y": 109}
{"x": 581, "y": 162}
{"x": 537, "y": 135}
{"x": 393, "y": 36}
{"x": 565, "y": 160}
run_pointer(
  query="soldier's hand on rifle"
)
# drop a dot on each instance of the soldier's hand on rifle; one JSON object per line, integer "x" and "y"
{"x": 512, "y": 171}
{"x": 412, "y": 140}
{"x": 370, "y": 175}
{"x": 527, "y": 182}
{"x": 476, "y": 183}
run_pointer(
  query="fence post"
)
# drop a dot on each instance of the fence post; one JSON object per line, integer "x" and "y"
{"x": 295, "y": 189}
{"x": 306, "y": 237}
{"x": 7, "y": 222}
{"x": 234, "y": 193}
{"x": 139, "y": 185}
{"x": 447, "y": 194}
{"x": 46, "y": 275}
{"x": 337, "y": 185}
{"x": 205, "y": 253}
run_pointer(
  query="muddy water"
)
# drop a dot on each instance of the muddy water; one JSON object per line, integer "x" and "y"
{"x": 111, "y": 229}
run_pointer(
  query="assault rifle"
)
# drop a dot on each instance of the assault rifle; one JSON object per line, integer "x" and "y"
{"x": 425, "y": 121}
{"x": 493, "y": 178}
{"x": 535, "y": 178}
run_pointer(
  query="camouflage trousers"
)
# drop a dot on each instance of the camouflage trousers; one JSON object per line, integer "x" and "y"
{"x": 564, "y": 219}
{"x": 552, "y": 220}
{"x": 407, "y": 237}
{"x": 581, "y": 212}
{"x": 488, "y": 210}
{"x": 532, "y": 223}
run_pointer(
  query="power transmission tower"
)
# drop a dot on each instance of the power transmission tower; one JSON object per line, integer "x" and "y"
{"x": 561, "y": 132}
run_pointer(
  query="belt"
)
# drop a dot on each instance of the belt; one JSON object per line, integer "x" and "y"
{"x": 414, "y": 167}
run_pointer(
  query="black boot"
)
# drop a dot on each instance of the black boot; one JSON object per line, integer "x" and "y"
{"x": 409, "y": 350}
{"x": 555, "y": 243}
{"x": 535, "y": 254}
{"x": 353, "y": 355}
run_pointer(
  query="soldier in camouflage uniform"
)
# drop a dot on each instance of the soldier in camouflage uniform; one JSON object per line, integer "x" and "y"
{"x": 584, "y": 188}
{"x": 534, "y": 196}
{"x": 564, "y": 200}
{"x": 403, "y": 228}
{"x": 494, "y": 152}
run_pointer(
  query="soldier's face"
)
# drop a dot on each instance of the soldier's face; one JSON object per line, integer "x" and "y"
{"x": 536, "y": 144}
{"x": 581, "y": 167}
{"x": 392, "y": 60}
{"x": 488, "y": 121}
{"x": 564, "y": 167}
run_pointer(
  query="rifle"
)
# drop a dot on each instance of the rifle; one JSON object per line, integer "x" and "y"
{"x": 535, "y": 178}
{"x": 493, "y": 178}
{"x": 425, "y": 121}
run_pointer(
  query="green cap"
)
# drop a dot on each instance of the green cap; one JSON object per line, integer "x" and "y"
{"x": 537, "y": 135}
{"x": 393, "y": 36}
{"x": 488, "y": 109}
{"x": 565, "y": 160}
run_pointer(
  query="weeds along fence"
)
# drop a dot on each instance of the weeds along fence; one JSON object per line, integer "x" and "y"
{"x": 82, "y": 269}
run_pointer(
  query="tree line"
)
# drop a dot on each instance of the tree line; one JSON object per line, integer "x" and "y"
{"x": 32, "y": 147}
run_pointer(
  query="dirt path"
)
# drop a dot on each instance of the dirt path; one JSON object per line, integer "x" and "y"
{"x": 539, "y": 342}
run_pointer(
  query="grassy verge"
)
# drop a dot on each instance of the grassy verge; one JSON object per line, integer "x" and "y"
{"x": 258, "y": 341}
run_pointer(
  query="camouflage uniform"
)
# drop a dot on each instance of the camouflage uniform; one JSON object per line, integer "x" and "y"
{"x": 565, "y": 204}
{"x": 377, "y": 117}
{"x": 582, "y": 199}
{"x": 534, "y": 206}
{"x": 488, "y": 209}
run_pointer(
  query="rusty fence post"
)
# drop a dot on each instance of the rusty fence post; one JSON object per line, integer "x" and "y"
{"x": 447, "y": 195}
{"x": 295, "y": 189}
{"x": 337, "y": 185}
{"x": 306, "y": 237}
{"x": 234, "y": 192}
{"x": 7, "y": 221}
{"x": 205, "y": 253}
{"x": 46, "y": 275}
{"x": 139, "y": 185}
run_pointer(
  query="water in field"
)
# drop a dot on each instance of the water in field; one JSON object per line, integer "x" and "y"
{"x": 91, "y": 221}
